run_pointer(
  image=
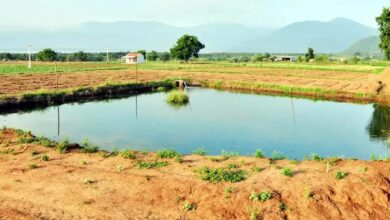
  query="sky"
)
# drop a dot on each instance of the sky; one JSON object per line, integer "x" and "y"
{"x": 55, "y": 14}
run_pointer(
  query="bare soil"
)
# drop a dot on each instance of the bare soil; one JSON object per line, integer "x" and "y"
{"x": 88, "y": 186}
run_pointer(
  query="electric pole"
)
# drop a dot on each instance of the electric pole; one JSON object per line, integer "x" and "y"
{"x": 108, "y": 60}
{"x": 29, "y": 56}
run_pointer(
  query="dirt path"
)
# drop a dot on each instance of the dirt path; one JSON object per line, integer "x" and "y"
{"x": 89, "y": 186}
{"x": 331, "y": 80}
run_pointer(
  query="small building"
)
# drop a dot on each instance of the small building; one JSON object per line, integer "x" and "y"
{"x": 285, "y": 59}
{"x": 134, "y": 58}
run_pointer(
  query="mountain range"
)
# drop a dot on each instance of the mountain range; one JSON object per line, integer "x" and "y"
{"x": 326, "y": 37}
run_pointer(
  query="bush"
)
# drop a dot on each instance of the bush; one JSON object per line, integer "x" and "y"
{"x": 277, "y": 156}
{"x": 259, "y": 154}
{"x": 189, "y": 206}
{"x": 177, "y": 98}
{"x": 316, "y": 157}
{"x": 221, "y": 174}
{"x": 287, "y": 171}
{"x": 63, "y": 146}
{"x": 167, "y": 153}
{"x": 263, "y": 196}
{"x": 150, "y": 165}
{"x": 341, "y": 175}
{"x": 128, "y": 154}
{"x": 88, "y": 147}
{"x": 45, "y": 157}
{"x": 200, "y": 151}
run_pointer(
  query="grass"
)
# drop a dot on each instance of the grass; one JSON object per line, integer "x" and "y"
{"x": 200, "y": 151}
{"x": 178, "y": 97}
{"x": 259, "y": 154}
{"x": 32, "y": 166}
{"x": 45, "y": 157}
{"x": 228, "y": 191}
{"x": 257, "y": 169}
{"x": 229, "y": 154}
{"x": 262, "y": 196}
{"x": 277, "y": 156}
{"x": 282, "y": 206}
{"x": 63, "y": 146}
{"x": 308, "y": 194}
{"x": 128, "y": 154}
{"x": 287, "y": 171}
{"x": 221, "y": 175}
{"x": 380, "y": 158}
{"x": 316, "y": 157}
{"x": 233, "y": 166}
{"x": 7, "y": 152}
{"x": 187, "y": 206}
{"x": 341, "y": 175}
{"x": 150, "y": 165}
{"x": 88, "y": 147}
{"x": 167, "y": 154}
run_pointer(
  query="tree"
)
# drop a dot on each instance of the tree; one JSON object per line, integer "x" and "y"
{"x": 310, "y": 54}
{"x": 384, "y": 27}
{"x": 47, "y": 55}
{"x": 187, "y": 47}
{"x": 80, "y": 56}
{"x": 143, "y": 52}
{"x": 165, "y": 56}
{"x": 152, "y": 56}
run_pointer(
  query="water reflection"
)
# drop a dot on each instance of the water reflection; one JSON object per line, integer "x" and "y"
{"x": 379, "y": 127}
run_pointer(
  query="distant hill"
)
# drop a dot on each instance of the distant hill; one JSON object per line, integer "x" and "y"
{"x": 326, "y": 37}
{"x": 329, "y": 37}
{"x": 367, "y": 45}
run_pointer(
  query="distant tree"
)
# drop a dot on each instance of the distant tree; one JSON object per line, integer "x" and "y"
{"x": 310, "y": 54}
{"x": 47, "y": 55}
{"x": 258, "y": 58}
{"x": 187, "y": 47}
{"x": 165, "y": 56}
{"x": 384, "y": 27}
{"x": 357, "y": 54}
{"x": 6, "y": 56}
{"x": 143, "y": 52}
{"x": 152, "y": 56}
{"x": 80, "y": 56}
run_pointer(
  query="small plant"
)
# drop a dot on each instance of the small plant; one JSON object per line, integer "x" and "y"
{"x": 316, "y": 157}
{"x": 363, "y": 169}
{"x": 341, "y": 175}
{"x": 45, "y": 142}
{"x": 263, "y": 196}
{"x": 8, "y": 151}
{"x": 282, "y": 207}
{"x": 254, "y": 213}
{"x": 32, "y": 166}
{"x": 34, "y": 153}
{"x": 177, "y": 98}
{"x": 63, "y": 146}
{"x": 332, "y": 160}
{"x": 200, "y": 151}
{"x": 233, "y": 166}
{"x": 287, "y": 171}
{"x": 294, "y": 162}
{"x": 259, "y": 154}
{"x": 189, "y": 206}
{"x": 119, "y": 168}
{"x": 257, "y": 169}
{"x": 150, "y": 165}
{"x": 277, "y": 156}
{"x": 88, "y": 147}
{"x": 308, "y": 194}
{"x": 45, "y": 157}
{"x": 220, "y": 174}
{"x": 128, "y": 154}
{"x": 167, "y": 153}
{"x": 178, "y": 159}
{"x": 229, "y": 154}
{"x": 229, "y": 190}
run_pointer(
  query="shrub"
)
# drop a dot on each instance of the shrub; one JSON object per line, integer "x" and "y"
{"x": 229, "y": 154}
{"x": 316, "y": 157}
{"x": 32, "y": 166}
{"x": 63, "y": 146}
{"x": 259, "y": 154}
{"x": 45, "y": 157}
{"x": 150, "y": 165}
{"x": 178, "y": 159}
{"x": 128, "y": 154}
{"x": 34, "y": 153}
{"x": 282, "y": 207}
{"x": 233, "y": 166}
{"x": 220, "y": 174}
{"x": 263, "y": 196}
{"x": 341, "y": 175}
{"x": 167, "y": 153}
{"x": 200, "y": 151}
{"x": 277, "y": 156}
{"x": 308, "y": 194}
{"x": 189, "y": 206}
{"x": 257, "y": 169}
{"x": 177, "y": 98}
{"x": 88, "y": 147}
{"x": 287, "y": 171}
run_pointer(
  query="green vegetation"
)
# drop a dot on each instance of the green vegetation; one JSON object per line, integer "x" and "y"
{"x": 259, "y": 154}
{"x": 228, "y": 191}
{"x": 63, "y": 146}
{"x": 178, "y": 159}
{"x": 221, "y": 174}
{"x": 32, "y": 166}
{"x": 45, "y": 157}
{"x": 47, "y": 55}
{"x": 167, "y": 154}
{"x": 150, "y": 165}
{"x": 229, "y": 154}
{"x": 380, "y": 158}
{"x": 200, "y": 151}
{"x": 6, "y": 152}
{"x": 233, "y": 166}
{"x": 316, "y": 157}
{"x": 277, "y": 156}
{"x": 189, "y": 206}
{"x": 287, "y": 171}
{"x": 88, "y": 147}
{"x": 384, "y": 27}
{"x": 177, "y": 97}
{"x": 308, "y": 194}
{"x": 282, "y": 206}
{"x": 186, "y": 47}
{"x": 257, "y": 169}
{"x": 310, "y": 54}
{"x": 128, "y": 154}
{"x": 263, "y": 196}
{"x": 341, "y": 175}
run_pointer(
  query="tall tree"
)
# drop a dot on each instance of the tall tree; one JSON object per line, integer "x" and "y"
{"x": 310, "y": 54}
{"x": 143, "y": 52}
{"x": 152, "y": 56}
{"x": 384, "y": 27}
{"x": 186, "y": 48}
{"x": 47, "y": 55}
{"x": 80, "y": 56}
{"x": 165, "y": 56}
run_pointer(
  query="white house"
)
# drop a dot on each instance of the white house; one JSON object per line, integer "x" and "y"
{"x": 134, "y": 58}
{"x": 285, "y": 58}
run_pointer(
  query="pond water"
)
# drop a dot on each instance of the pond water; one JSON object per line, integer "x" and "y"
{"x": 218, "y": 120}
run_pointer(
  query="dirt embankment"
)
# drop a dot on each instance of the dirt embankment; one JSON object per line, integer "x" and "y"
{"x": 76, "y": 185}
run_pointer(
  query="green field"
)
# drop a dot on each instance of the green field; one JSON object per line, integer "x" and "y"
{"x": 11, "y": 68}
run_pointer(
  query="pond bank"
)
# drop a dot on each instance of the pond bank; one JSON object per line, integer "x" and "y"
{"x": 41, "y": 182}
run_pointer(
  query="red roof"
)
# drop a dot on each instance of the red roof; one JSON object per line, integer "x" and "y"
{"x": 133, "y": 54}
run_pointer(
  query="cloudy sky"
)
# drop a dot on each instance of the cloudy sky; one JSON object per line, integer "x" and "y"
{"x": 49, "y": 14}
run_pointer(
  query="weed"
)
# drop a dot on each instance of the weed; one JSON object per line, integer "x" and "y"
{"x": 167, "y": 153}
{"x": 257, "y": 169}
{"x": 177, "y": 98}
{"x": 8, "y": 151}
{"x": 220, "y": 174}
{"x": 229, "y": 154}
{"x": 128, "y": 154}
{"x": 227, "y": 191}
{"x": 363, "y": 169}
{"x": 189, "y": 206}
{"x": 332, "y": 160}
{"x": 119, "y": 169}
{"x": 34, "y": 153}
{"x": 200, "y": 151}
{"x": 259, "y": 154}
{"x": 178, "y": 159}
{"x": 63, "y": 146}
{"x": 150, "y": 165}
{"x": 88, "y": 147}
{"x": 233, "y": 166}
{"x": 263, "y": 196}
{"x": 32, "y": 166}
{"x": 282, "y": 206}
{"x": 45, "y": 157}
{"x": 254, "y": 213}
{"x": 308, "y": 194}
{"x": 295, "y": 162}
{"x": 287, "y": 171}
{"x": 316, "y": 157}
{"x": 341, "y": 175}
{"x": 277, "y": 156}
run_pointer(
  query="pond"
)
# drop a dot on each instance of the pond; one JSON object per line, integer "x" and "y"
{"x": 217, "y": 121}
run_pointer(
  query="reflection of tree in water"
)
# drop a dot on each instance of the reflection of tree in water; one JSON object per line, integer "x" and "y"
{"x": 379, "y": 127}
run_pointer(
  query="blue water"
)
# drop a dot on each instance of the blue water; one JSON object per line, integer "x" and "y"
{"x": 216, "y": 120}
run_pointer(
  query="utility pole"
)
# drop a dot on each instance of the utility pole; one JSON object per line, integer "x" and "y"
{"x": 108, "y": 60}
{"x": 29, "y": 56}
